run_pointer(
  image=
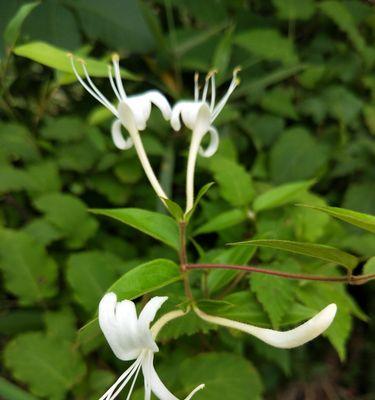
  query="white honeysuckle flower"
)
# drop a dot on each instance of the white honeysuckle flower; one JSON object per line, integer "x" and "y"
{"x": 199, "y": 116}
{"x": 131, "y": 338}
{"x": 132, "y": 112}
{"x": 283, "y": 340}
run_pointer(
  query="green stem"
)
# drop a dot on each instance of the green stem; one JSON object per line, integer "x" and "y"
{"x": 184, "y": 260}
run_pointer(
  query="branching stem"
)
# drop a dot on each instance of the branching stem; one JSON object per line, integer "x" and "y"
{"x": 350, "y": 279}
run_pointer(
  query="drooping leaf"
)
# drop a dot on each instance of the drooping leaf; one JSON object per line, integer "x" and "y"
{"x": 362, "y": 220}
{"x": 159, "y": 226}
{"x": 242, "y": 381}
{"x": 50, "y": 367}
{"x": 280, "y": 195}
{"x": 320, "y": 251}
{"x": 29, "y": 273}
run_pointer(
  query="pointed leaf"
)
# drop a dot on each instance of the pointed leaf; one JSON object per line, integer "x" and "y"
{"x": 159, "y": 226}
{"x": 320, "y": 251}
{"x": 222, "y": 221}
{"x": 362, "y": 220}
{"x": 203, "y": 190}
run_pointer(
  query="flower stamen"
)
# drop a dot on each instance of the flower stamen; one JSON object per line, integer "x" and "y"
{"x": 120, "y": 86}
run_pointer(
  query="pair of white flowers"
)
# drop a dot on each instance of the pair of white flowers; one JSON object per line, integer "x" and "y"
{"x": 133, "y": 112}
{"x": 131, "y": 338}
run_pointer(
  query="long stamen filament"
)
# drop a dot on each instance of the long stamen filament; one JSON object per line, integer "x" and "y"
{"x": 205, "y": 89}
{"x": 120, "y": 86}
{"x": 88, "y": 88}
{"x": 196, "y": 86}
{"x": 213, "y": 90}
{"x": 113, "y": 85}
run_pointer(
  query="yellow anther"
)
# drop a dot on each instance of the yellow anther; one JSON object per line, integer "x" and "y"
{"x": 115, "y": 57}
{"x": 70, "y": 55}
{"x": 81, "y": 61}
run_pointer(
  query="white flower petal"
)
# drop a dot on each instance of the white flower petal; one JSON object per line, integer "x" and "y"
{"x": 117, "y": 137}
{"x": 126, "y": 116}
{"x": 141, "y": 108}
{"x": 188, "y": 111}
{"x": 284, "y": 340}
{"x": 213, "y": 146}
{"x": 160, "y": 101}
{"x": 146, "y": 316}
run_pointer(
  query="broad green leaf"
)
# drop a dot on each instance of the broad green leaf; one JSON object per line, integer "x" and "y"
{"x": 279, "y": 101}
{"x": 268, "y": 44}
{"x": 203, "y": 190}
{"x": 9, "y": 391}
{"x": 90, "y": 274}
{"x": 222, "y": 221}
{"x": 48, "y": 366}
{"x": 29, "y": 273}
{"x": 140, "y": 280}
{"x": 13, "y": 179}
{"x": 42, "y": 231}
{"x": 69, "y": 215}
{"x": 61, "y": 324}
{"x": 20, "y": 320}
{"x": 297, "y": 155}
{"x": 276, "y": 295}
{"x": 364, "y": 221}
{"x": 280, "y": 195}
{"x": 294, "y": 9}
{"x": 226, "y": 376}
{"x": 57, "y": 58}
{"x": 64, "y": 129}
{"x": 13, "y": 29}
{"x": 320, "y": 251}
{"x": 159, "y": 226}
{"x": 235, "y": 183}
{"x": 218, "y": 279}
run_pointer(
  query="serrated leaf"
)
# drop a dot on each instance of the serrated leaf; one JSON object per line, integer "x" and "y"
{"x": 57, "y": 58}
{"x": 29, "y": 273}
{"x": 14, "y": 26}
{"x": 222, "y": 221}
{"x": 158, "y": 226}
{"x": 320, "y": 251}
{"x": 90, "y": 274}
{"x": 50, "y": 367}
{"x": 69, "y": 215}
{"x": 140, "y": 280}
{"x": 235, "y": 183}
{"x": 280, "y": 195}
{"x": 362, "y": 220}
{"x": 276, "y": 295}
{"x": 242, "y": 381}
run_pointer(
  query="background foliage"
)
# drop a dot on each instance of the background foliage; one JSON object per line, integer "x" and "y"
{"x": 303, "y": 116}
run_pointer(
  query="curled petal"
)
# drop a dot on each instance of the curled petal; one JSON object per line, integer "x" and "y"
{"x": 117, "y": 137}
{"x": 284, "y": 340}
{"x": 140, "y": 106}
{"x": 188, "y": 111}
{"x": 213, "y": 146}
{"x": 160, "y": 101}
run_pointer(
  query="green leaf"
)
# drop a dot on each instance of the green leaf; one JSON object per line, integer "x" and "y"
{"x": 279, "y": 101}
{"x": 276, "y": 295}
{"x": 268, "y": 44}
{"x": 9, "y": 391}
{"x": 364, "y": 221}
{"x": 140, "y": 280}
{"x": 320, "y": 251}
{"x": 369, "y": 267}
{"x": 222, "y": 221}
{"x": 69, "y": 215}
{"x": 241, "y": 379}
{"x": 342, "y": 17}
{"x": 49, "y": 367}
{"x": 159, "y": 226}
{"x": 235, "y": 183}
{"x": 294, "y": 9}
{"x": 203, "y": 190}
{"x": 29, "y": 273}
{"x": 174, "y": 209}
{"x": 13, "y": 29}
{"x": 218, "y": 279}
{"x": 57, "y": 58}
{"x": 280, "y": 195}
{"x": 296, "y": 155}
{"x": 61, "y": 324}
{"x": 90, "y": 274}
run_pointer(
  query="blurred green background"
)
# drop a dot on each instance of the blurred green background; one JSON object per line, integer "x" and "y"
{"x": 305, "y": 110}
